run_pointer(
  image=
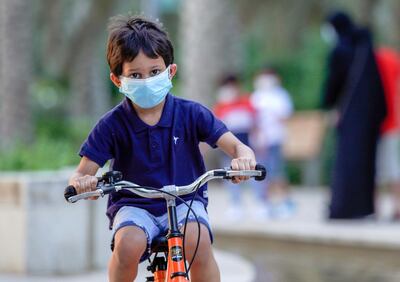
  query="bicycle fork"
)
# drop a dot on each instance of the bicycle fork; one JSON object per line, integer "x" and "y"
{"x": 175, "y": 270}
{"x": 176, "y": 263}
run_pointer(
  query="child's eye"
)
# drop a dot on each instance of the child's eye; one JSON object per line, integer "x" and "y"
{"x": 154, "y": 72}
{"x": 135, "y": 75}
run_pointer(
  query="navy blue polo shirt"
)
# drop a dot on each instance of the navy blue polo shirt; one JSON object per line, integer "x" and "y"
{"x": 164, "y": 154}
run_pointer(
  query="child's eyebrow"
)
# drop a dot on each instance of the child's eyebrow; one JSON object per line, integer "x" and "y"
{"x": 134, "y": 69}
{"x": 156, "y": 66}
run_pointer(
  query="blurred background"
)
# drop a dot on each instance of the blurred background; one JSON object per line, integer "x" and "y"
{"x": 54, "y": 86}
{"x": 54, "y": 76}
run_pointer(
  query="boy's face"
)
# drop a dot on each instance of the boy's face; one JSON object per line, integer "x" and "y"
{"x": 142, "y": 67}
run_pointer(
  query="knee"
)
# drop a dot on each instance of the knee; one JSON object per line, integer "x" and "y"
{"x": 204, "y": 249}
{"x": 130, "y": 245}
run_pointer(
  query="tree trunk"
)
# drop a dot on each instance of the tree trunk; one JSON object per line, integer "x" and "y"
{"x": 209, "y": 38}
{"x": 278, "y": 26}
{"x": 367, "y": 8}
{"x": 85, "y": 66}
{"x": 387, "y": 23}
{"x": 15, "y": 71}
{"x": 89, "y": 88}
{"x": 396, "y": 24}
{"x": 73, "y": 30}
{"x": 50, "y": 22}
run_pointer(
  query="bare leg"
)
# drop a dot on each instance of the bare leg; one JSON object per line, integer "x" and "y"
{"x": 282, "y": 189}
{"x": 278, "y": 190}
{"x": 204, "y": 267}
{"x": 130, "y": 243}
{"x": 395, "y": 188}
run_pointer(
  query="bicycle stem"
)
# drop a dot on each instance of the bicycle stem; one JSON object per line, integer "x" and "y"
{"x": 171, "y": 208}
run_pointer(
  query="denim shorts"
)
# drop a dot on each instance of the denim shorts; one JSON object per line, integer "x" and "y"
{"x": 154, "y": 226}
{"x": 274, "y": 162}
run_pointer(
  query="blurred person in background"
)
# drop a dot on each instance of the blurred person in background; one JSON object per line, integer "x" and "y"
{"x": 388, "y": 154}
{"x": 273, "y": 107}
{"x": 354, "y": 87}
{"x": 234, "y": 108}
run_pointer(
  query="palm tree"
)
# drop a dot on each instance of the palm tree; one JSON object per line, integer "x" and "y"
{"x": 396, "y": 24}
{"x": 15, "y": 71}
{"x": 367, "y": 8}
{"x": 73, "y": 49}
{"x": 209, "y": 43}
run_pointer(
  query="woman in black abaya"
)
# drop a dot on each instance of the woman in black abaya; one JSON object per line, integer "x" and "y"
{"x": 353, "y": 86}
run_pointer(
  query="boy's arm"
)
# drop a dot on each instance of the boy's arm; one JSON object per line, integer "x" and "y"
{"x": 83, "y": 178}
{"x": 243, "y": 157}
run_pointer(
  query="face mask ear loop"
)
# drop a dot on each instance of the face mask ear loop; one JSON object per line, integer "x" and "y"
{"x": 120, "y": 81}
{"x": 169, "y": 72}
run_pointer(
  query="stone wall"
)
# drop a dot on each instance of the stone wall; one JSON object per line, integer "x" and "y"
{"x": 40, "y": 233}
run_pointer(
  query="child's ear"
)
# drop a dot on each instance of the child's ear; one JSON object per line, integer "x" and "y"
{"x": 115, "y": 80}
{"x": 172, "y": 70}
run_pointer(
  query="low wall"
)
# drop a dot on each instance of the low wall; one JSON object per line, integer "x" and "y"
{"x": 40, "y": 233}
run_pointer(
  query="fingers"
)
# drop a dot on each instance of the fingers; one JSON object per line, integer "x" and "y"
{"x": 85, "y": 183}
{"x": 242, "y": 164}
{"x": 236, "y": 180}
{"x": 93, "y": 182}
{"x": 253, "y": 164}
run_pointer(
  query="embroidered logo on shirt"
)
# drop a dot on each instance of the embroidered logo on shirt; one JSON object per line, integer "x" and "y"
{"x": 175, "y": 139}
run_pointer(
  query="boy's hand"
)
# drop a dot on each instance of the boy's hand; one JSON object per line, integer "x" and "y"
{"x": 84, "y": 184}
{"x": 242, "y": 164}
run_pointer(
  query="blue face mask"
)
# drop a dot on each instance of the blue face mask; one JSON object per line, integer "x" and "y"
{"x": 147, "y": 93}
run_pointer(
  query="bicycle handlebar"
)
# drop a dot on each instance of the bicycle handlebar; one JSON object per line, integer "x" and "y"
{"x": 112, "y": 181}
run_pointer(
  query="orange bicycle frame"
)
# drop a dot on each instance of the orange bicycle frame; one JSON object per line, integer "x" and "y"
{"x": 175, "y": 271}
{"x": 176, "y": 265}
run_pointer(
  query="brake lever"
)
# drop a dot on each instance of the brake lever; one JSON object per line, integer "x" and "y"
{"x": 86, "y": 195}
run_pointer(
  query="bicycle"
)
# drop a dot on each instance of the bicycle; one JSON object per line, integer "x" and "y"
{"x": 167, "y": 261}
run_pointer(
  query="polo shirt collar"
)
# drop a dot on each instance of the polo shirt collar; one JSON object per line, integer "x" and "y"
{"x": 138, "y": 125}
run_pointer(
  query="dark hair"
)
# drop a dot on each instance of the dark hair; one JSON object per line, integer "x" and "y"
{"x": 229, "y": 79}
{"x": 128, "y": 35}
{"x": 269, "y": 69}
{"x": 341, "y": 22}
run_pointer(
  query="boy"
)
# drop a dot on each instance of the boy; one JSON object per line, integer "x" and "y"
{"x": 152, "y": 138}
{"x": 273, "y": 106}
{"x": 235, "y": 110}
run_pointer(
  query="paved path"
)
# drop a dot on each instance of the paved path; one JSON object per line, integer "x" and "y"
{"x": 307, "y": 225}
{"x": 233, "y": 269}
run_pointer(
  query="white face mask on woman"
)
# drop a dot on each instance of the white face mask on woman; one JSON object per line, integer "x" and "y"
{"x": 147, "y": 93}
{"x": 328, "y": 34}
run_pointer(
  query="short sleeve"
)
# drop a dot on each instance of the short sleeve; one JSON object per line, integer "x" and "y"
{"x": 98, "y": 147}
{"x": 209, "y": 128}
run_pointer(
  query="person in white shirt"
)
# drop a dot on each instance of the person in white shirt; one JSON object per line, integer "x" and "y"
{"x": 273, "y": 107}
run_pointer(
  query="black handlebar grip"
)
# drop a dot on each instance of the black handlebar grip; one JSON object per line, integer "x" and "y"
{"x": 69, "y": 192}
{"x": 263, "y": 172}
